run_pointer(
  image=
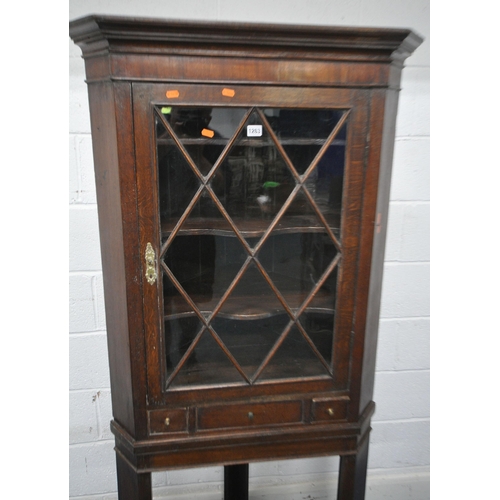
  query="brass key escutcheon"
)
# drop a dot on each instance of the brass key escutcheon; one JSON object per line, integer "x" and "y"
{"x": 150, "y": 264}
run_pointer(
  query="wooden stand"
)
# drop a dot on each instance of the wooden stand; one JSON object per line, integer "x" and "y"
{"x": 236, "y": 482}
{"x": 131, "y": 484}
{"x": 352, "y": 474}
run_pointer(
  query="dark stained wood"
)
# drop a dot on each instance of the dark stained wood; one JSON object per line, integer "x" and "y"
{"x": 97, "y": 29}
{"x": 379, "y": 223}
{"x": 128, "y": 193}
{"x": 350, "y": 235}
{"x": 131, "y": 485}
{"x": 248, "y": 415}
{"x": 329, "y": 409}
{"x": 236, "y": 482}
{"x": 135, "y": 65}
{"x": 167, "y": 421}
{"x": 107, "y": 175}
{"x": 352, "y": 473}
{"x": 377, "y": 191}
{"x": 263, "y": 389}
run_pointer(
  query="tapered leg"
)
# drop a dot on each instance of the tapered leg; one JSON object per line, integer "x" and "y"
{"x": 352, "y": 474}
{"x": 132, "y": 485}
{"x": 236, "y": 482}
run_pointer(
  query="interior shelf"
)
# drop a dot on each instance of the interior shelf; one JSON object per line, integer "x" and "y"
{"x": 233, "y": 309}
{"x": 257, "y": 302}
{"x": 204, "y": 374}
{"x": 259, "y": 143}
{"x": 251, "y": 228}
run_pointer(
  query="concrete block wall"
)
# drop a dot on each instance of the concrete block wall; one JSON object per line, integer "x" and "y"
{"x": 400, "y": 436}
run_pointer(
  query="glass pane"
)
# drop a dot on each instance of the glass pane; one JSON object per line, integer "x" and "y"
{"x": 177, "y": 183}
{"x": 250, "y": 186}
{"x": 207, "y": 365}
{"x": 181, "y": 324}
{"x": 205, "y": 265}
{"x": 293, "y": 359}
{"x": 325, "y": 183}
{"x": 250, "y": 341}
{"x": 281, "y": 258}
{"x": 319, "y": 317}
{"x": 179, "y": 335}
{"x": 324, "y": 297}
{"x": 257, "y": 181}
{"x": 302, "y": 134}
{"x": 252, "y": 298}
{"x": 205, "y": 218}
{"x": 296, "y": 262}
{"x": 203, "y": 131}
{"x": 319, "y": 327}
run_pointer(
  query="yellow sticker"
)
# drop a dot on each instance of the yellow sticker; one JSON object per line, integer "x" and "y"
{"x": 207, "y": 133}
{"x": 228, "y": 92}
{"x": 166, "y": 110}
{"x": 172, "y": 94}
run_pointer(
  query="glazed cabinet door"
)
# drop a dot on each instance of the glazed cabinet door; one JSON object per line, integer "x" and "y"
{"x": 249, "y": 206}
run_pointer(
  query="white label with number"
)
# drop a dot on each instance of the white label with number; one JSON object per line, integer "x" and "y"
{"x": 254, "y": 130}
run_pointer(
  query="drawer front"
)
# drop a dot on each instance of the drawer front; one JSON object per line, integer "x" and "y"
{"x": 248, "y": 415}
{"x": 326, "y": 409}
{"x": 164, "y": 421}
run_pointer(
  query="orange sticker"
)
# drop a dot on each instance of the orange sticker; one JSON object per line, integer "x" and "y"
{"x": 172, "y": 94}
{"x": 207, "y": 133}
{"x": 228, "y": 92}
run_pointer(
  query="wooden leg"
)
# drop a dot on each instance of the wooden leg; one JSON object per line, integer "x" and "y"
{"x": 352, "y": 474}
{"x": 131, "y": 484}
{"x": 236, "y": 482}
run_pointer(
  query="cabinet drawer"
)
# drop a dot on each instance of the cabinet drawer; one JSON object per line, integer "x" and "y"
{"x": 325, "y": 409}
{"x": 163, "y": 421}
{"x": 248, "y": 415}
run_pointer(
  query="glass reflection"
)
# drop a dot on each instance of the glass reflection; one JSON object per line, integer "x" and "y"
{"x": 258, "y": 179}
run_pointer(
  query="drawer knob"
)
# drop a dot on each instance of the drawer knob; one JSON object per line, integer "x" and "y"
{"x": 250, "y": 415}
{"x": 167, "y": 421}
{"x": 330, "y": 412}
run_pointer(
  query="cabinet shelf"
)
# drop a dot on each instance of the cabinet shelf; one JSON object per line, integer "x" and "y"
{"x": 254, "y": 301}
{"x": 251, "y": 228}
{"x": 212, "y": 373}
{"x": 239, "y": 310}
{"x": 258, "y": 143}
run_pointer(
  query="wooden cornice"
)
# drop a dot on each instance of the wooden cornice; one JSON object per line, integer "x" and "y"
{"x": 96, "y": 34}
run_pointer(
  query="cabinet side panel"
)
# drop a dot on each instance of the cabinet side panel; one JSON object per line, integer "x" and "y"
{"x": 104, "y": 141}
{"x": 131, "y": 248}
{"x": 375, "y": 212}
{"x": 368, "y": 210}
{"x": 379, "y": 239}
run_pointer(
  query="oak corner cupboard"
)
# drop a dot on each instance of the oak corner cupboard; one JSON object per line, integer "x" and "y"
{"x": 242, "y": 177}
